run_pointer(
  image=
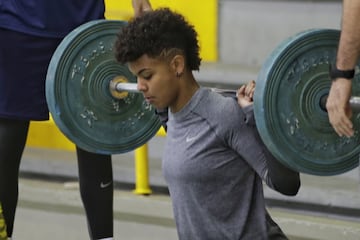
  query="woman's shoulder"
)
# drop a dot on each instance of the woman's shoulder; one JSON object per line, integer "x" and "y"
{"x": 220, "y": 109}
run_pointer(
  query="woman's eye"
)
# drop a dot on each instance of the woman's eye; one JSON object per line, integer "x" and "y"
{"x": 147, "y": 77}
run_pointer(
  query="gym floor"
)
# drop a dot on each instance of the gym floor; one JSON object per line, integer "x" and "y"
{"x": 326, "y": 208}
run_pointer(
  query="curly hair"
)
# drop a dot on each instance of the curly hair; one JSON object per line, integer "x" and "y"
{"x": 158, "y": 34}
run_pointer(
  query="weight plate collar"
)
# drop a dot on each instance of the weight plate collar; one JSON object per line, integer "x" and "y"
{"x": 79, "y": 99}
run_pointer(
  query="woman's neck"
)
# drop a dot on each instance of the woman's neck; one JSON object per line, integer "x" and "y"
{"x": 188, "y": 88}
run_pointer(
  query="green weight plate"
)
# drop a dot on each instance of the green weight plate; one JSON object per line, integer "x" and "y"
{"x": 79, "y": 99}
{"x": 289, "y": 116}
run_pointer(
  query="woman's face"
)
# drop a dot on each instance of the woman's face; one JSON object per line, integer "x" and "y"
{"x": 157, "y": 80}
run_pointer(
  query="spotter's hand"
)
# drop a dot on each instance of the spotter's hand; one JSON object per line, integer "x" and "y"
{"x": 141, "y": 6}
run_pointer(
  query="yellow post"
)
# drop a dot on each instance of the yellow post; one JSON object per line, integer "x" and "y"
{"x": 142, "y": 171}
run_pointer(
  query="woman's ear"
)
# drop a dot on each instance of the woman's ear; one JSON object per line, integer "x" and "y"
{"x": 178, "y": 64}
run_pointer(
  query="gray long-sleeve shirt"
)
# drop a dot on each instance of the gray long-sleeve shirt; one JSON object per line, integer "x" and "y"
{"x": 214, "y": 163}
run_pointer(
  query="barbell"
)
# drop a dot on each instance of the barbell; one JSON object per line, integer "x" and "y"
{"x": 121, "y": 89}
{"x": 94, "y": 100}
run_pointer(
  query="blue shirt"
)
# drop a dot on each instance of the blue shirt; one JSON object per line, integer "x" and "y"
{"x": 46, "y": 18}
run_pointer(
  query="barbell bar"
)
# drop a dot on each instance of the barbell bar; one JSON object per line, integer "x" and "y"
{"x": 95, "y": 102}
{"x": 122, "y": 87}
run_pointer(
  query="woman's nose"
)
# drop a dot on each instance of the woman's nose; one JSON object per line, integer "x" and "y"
{"x": 140, "y": 85}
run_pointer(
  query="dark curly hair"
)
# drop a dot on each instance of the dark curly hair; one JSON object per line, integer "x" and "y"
{"x": 158, "y": 33}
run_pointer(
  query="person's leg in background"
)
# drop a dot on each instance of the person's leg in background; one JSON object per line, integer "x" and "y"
{"x": 13, "y": 135}
{"x": 23, "y": 65}
{"x": 96, "y": 190}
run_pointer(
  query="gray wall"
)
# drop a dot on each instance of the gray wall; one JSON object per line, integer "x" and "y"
{"x": 249, "y": 30}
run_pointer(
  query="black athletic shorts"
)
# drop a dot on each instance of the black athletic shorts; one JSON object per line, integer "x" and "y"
{"x": 24, "y": 60}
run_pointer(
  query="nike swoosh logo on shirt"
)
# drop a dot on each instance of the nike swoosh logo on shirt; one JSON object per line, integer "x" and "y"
{"x": 190, "y": 139}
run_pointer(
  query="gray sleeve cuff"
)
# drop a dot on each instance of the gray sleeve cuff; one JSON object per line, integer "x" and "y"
{"x": 249, "y": 113}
